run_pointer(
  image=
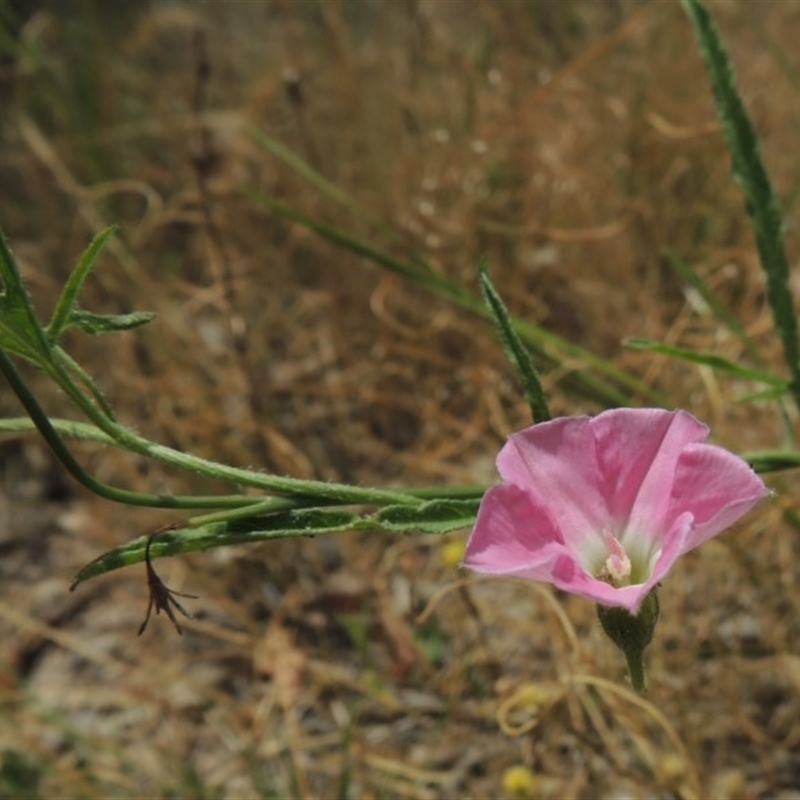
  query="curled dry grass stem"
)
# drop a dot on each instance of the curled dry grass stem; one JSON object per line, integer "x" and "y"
{"x": 631, "y": 698}
{"x": 529, "y": 705}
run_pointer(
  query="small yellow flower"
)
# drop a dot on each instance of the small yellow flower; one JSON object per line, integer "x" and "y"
{"x": 519, "y": 781}
{"x": 533, "y": 696}
{"x": 452, "y": 552}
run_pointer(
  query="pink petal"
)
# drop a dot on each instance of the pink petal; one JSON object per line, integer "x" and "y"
{"x": 644, "y": 475}
{"x": 512, "y": 534}
{"x": 581, "y": 583}
{"x": 639, "y": 450}
{"x": 628, "y": 597}
{"x": 513, "y": 537}
{"x": 673, "y": 546}
{"x": 716, "y": 487}
{"x": 556, "y": 464}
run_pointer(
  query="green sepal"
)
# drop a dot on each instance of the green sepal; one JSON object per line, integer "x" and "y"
{"x": 632, "y": 633}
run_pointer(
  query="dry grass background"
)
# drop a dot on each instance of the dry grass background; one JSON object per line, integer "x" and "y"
{"x": 574, "y": 144}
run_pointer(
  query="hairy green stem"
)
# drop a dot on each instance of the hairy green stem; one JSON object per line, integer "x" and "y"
{"x": 340, "y": 493}
{"x": 64, "y": 455}
{"x": 309, "y": 491}
{"x": 89, "y": 432}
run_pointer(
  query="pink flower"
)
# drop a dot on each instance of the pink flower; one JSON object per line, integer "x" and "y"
{"x": 604, "y": 506}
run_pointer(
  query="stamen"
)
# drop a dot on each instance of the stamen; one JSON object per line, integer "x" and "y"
{"x": 617, "y": 569}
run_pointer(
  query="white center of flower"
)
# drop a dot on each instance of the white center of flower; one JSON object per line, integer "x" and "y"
{"x": 617, "y": 567}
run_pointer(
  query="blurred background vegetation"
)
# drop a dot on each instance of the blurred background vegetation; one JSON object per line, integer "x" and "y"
{"x": 572, "y": 143}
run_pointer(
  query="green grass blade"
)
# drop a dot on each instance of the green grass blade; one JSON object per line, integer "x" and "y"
{"x": 760, "y": 199}
{"x": 775, "y": 393}
{"x": 709, "y": 359}
{"x": 717, "y": 307}
{"x": 550, "y": 348}
{"x": 772, "y": 460}
{"x": 516, "y": 351}
{"x": 417, "y": 274}
{"x": 306, "y": 171}
{"x": 321, "y": 183}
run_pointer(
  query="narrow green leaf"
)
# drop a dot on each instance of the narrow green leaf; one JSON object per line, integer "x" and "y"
{"x": 760, "y": 200}
{"x": 294, "y": 162}
{"x": 20, "y": 331}
{"x": 709, "y": 359}
{"x": 63, "y": 315}
{"x": 323, "y": 185}
{"x": 772, "y": 460}
{"x": 435, "y": 516}
{"x": 413, "y": 272}
{"x": 16, "y": 335}
{"x": 516, "y": 351}
{"x": 96, "y": 324}
{"x": 772, "y": 394}
{"x": 305, "y": 522}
